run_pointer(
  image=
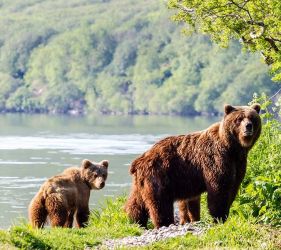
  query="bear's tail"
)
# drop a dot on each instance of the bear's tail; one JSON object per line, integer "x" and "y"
{"x": 133, "y": 168}
{"x": 37, "y": 211}
{"x": 137, "y": 164}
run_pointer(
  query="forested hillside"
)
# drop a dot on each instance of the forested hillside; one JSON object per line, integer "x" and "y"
{"x": 116, "y": 57}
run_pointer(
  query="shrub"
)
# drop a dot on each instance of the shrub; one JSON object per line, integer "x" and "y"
{"x": 260, "y": 195}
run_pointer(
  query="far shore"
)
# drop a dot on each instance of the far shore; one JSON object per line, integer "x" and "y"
{"x": 135, "y": 113}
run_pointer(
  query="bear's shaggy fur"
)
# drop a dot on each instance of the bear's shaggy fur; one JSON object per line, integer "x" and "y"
{"x": 180, "y": 168}
{"x": 67, "y": 195}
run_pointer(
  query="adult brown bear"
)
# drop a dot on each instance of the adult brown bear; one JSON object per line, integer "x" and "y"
{"x": 65, "y": 196}
{"x": 180, "y": 168}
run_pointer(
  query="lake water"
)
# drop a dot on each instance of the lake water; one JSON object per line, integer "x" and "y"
{"x": 36, "y": 147}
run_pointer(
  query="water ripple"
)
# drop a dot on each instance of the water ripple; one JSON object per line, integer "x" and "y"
{"x": 81, "y": 143}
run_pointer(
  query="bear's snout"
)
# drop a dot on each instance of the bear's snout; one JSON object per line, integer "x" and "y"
{"x": 99, "y": 183}
{"x": 102, "y": 184}
{"x": 249, "y": 129}
{"x": 249, "y": 126}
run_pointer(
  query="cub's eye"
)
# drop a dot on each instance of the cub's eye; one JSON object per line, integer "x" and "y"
{"x": 95, "y": 175}
{"x": 103, "y": 175}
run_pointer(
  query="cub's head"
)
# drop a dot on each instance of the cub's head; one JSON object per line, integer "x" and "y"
{"x": 94, "y": 174}
{"x": 242, "y": 123}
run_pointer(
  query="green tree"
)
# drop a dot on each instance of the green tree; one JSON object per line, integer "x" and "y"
{"x": 8, "y": 85}
{"x": 58, "y": 57}
{"x": 255, "y": 23}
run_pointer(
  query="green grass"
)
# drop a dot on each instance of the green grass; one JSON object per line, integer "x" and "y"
{"x": 234, "y": 234}
{"x": 112, "y": 222}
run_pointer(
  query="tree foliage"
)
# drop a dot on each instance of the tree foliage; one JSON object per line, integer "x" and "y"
{"x": 64, "y": 57}
{"x": 255, "y": 23}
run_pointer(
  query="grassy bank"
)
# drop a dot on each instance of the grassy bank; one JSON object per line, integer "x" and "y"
{"x": 111, "y": 223}
{"x": 236, "y": 233}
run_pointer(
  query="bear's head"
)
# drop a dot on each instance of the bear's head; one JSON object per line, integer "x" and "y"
{"x": 94, "y": 174}
{"x": 242, "y": 124}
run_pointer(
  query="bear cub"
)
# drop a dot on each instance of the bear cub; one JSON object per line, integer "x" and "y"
{"x": 67, "y": 195}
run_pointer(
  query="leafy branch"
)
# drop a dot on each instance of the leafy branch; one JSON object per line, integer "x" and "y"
{"x": 256, "y": 24}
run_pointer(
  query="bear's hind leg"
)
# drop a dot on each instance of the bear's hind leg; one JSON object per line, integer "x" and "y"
{"x": 58, "y": 220}
{"x": 37, "y": 212}
{"x": 160, "y": 206}
{"x": 161, "y": 212}
{"x": 183, "y": 212}
{"x": 189, "y": 210}
{"x": 56, "y": 210}
{"x": 82, "y": 216}
{"x": 135, "y": 209}
{"x": 194, "y": 209}
{"x": 69, "y": 220}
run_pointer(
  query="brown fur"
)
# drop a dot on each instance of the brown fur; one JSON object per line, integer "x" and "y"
{"x": 67, "y": 195}
{"x": 180, "y": 168}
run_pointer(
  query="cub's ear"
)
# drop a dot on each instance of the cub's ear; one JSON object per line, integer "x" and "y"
{"x": 104, "y": 163}
{"x": 256, "y": 107}
{"x": 86, "y": 164}
{"x": 228, "y": 109}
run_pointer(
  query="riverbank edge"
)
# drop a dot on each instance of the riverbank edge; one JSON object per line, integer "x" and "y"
{"x": 74, "y": 112}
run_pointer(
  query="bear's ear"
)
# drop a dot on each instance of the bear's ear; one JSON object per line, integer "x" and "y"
{"x": 256, "y": 107}
{"x": 86, "y": 164}
{"x": 228, "y": 109}
{"x": 104, "y": 163}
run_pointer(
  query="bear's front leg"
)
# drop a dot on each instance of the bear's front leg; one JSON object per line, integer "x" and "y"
{"x": 82, "y": 216}
{"x": 218, "y": 204}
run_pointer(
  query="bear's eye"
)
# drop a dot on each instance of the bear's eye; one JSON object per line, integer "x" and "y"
{"x": 239, "y": 119}
{"x": 95, "y": 175}
{"x": 251, "y": 118}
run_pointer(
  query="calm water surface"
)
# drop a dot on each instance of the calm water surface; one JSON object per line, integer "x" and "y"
{"x": 36, "y": 147}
